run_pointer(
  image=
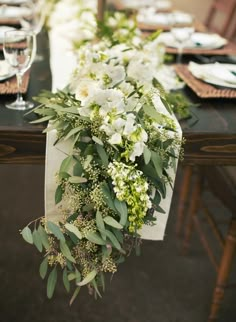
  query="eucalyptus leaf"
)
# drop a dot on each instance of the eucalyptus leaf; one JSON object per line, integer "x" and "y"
{"x": 76, "y": 292}
{"x": 157, "y": 162}
{"x": 72, "y": 228}
{"x": 78, "y": 169}
{"x": 75, "y": 179}
{"x": 44, "y": 237}
{"x": 58, "y": 194}
{"x": 94, "y": 283}
{"x": 100, "y": 224}
{"x": 147, "y": 155}
{"x": 152, "y": 112}
{"x": 107, "y": 196}
{"x": 122, "y": 210}
{"x": 51, "y": 283}
{"x": 43, "y": 268}
{"x": 95, "y": 238}
{"x": 102, "y": 154}
{"x": 97, "y": 140}
{"x": 88, "y": 278}
{"x": 113, "y": 239}
{"x": 66, "y": 282}
{"x": 53, "y": 228}
{"x": 66, "y": 252}
{"x": 72, "y": 132}
{"x": 66, "y": 164}
{"x": 112, "y": 222}
{"x": 42, "y": 119}
{"x": 37, "y": 240}
{"x": 27, "y": 235}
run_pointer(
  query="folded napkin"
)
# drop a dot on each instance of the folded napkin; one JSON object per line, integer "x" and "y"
{"x": 218, "y": 73}
{"x": 208, "y": 40}
{"x": 5, "y": 69}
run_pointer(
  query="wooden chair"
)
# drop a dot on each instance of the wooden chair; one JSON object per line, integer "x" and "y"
{"x": 222, "y": 182}
{"x": 220, "y": 15}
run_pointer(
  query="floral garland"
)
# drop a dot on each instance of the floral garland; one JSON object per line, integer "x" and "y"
{"x": 116, "y": 118}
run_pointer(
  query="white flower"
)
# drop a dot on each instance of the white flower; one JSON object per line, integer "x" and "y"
{"x": 137, "y": 150}
{"x": 115, "y": 139}
{"x": 85, "y": 88}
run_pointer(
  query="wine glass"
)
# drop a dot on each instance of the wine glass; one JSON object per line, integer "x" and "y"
{"x": 19, "y": 48}
{"x": 182, "y": 33}
{"x": 35, "y": 21}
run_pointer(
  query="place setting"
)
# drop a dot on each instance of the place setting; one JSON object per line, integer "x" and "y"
{"x": 12, "y": 13}
{"x": 212, "y": 80}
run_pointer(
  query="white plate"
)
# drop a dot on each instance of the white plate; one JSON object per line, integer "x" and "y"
{"x": 14, "y": 12}
{"x": 5, "y": 70}
{"x": 2, "y": 31}
{"x": 216, "y": 74}
{"x": 197, "y": 40}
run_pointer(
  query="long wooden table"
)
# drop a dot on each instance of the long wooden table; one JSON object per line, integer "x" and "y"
{"x": 210, "y": 134}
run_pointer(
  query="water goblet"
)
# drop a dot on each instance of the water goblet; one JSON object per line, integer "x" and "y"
{"x": 182, "y": 34}
{"x": 19, "y": 48}
{"x": 35, "y": 21}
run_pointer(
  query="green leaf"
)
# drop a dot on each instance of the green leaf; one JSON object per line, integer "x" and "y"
{"x": 58, "y": 194}
{"x": 95, "y": 238}
{"x": 100, "y": 224}
{"x": 73, "y": 230}
{"x": 97, "y": 140}
{"x": 72, "y": 132}
{"x": 112, "y": 222}
{"x": 151, "y": 112}
{"x": 43, "y": 268}
{"x": 77, "y": 276}
{"x": 147, "y": 155}
{"x": 157, "y": 161}
{"x": 65, "y": 280}
{"x": 107, "y": 195}
{"x": 52, "y": 280}
{"x": 102, "y": 154}
{"x": 76, "y": 292}
{"x": 78, "y": 169}
{"x": 75, "y": 179}
{"x": 71, "y": 276}
{"x": 94, "y": 283}
{"x": 27, "y": 235}
{"x": 113, "y": 239}
{"x": 44, "y": 237}
{"x": 66, "y": 252}
{"x": 66, "y": 164}
{"x": 42, "y": 119}
{"x": 88, "y": 278}
{"x": 122, "y": 210}
{"x": 37, "y": 240}
{"x": 53, "y": 228}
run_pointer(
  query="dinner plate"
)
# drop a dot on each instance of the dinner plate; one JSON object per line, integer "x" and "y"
{"x": 5, "y": 70}
{"x": 14, "y": 12}
{"x": 223, "y": 75}
{"x": 149, "y": 16}
{"x": 2, "y": 31}
{"x": 197, "y": 40}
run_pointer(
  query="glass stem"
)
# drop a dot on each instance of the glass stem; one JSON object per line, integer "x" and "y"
{"x": 19, "y": 86}
{"x": 179, "y": 56}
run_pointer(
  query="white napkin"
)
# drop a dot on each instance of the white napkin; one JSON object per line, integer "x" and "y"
{"x": 220, "y": 73}
{"x": 5, "y": 68}
{"x": 205, "y": 40}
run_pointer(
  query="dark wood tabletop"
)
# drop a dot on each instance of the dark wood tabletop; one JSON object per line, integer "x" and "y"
{"x": 210, "y": 133}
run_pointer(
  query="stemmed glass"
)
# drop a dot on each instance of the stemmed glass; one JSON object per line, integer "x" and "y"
{"x": 19, "y": 48}
{"x": 36, "y": 20}
{"x": 182, "y": 34}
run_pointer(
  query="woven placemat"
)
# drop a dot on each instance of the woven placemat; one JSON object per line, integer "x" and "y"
{"x": 228, "y": 49}
{"x": 9, "y": 86}
{"x": 201, "y": 88}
